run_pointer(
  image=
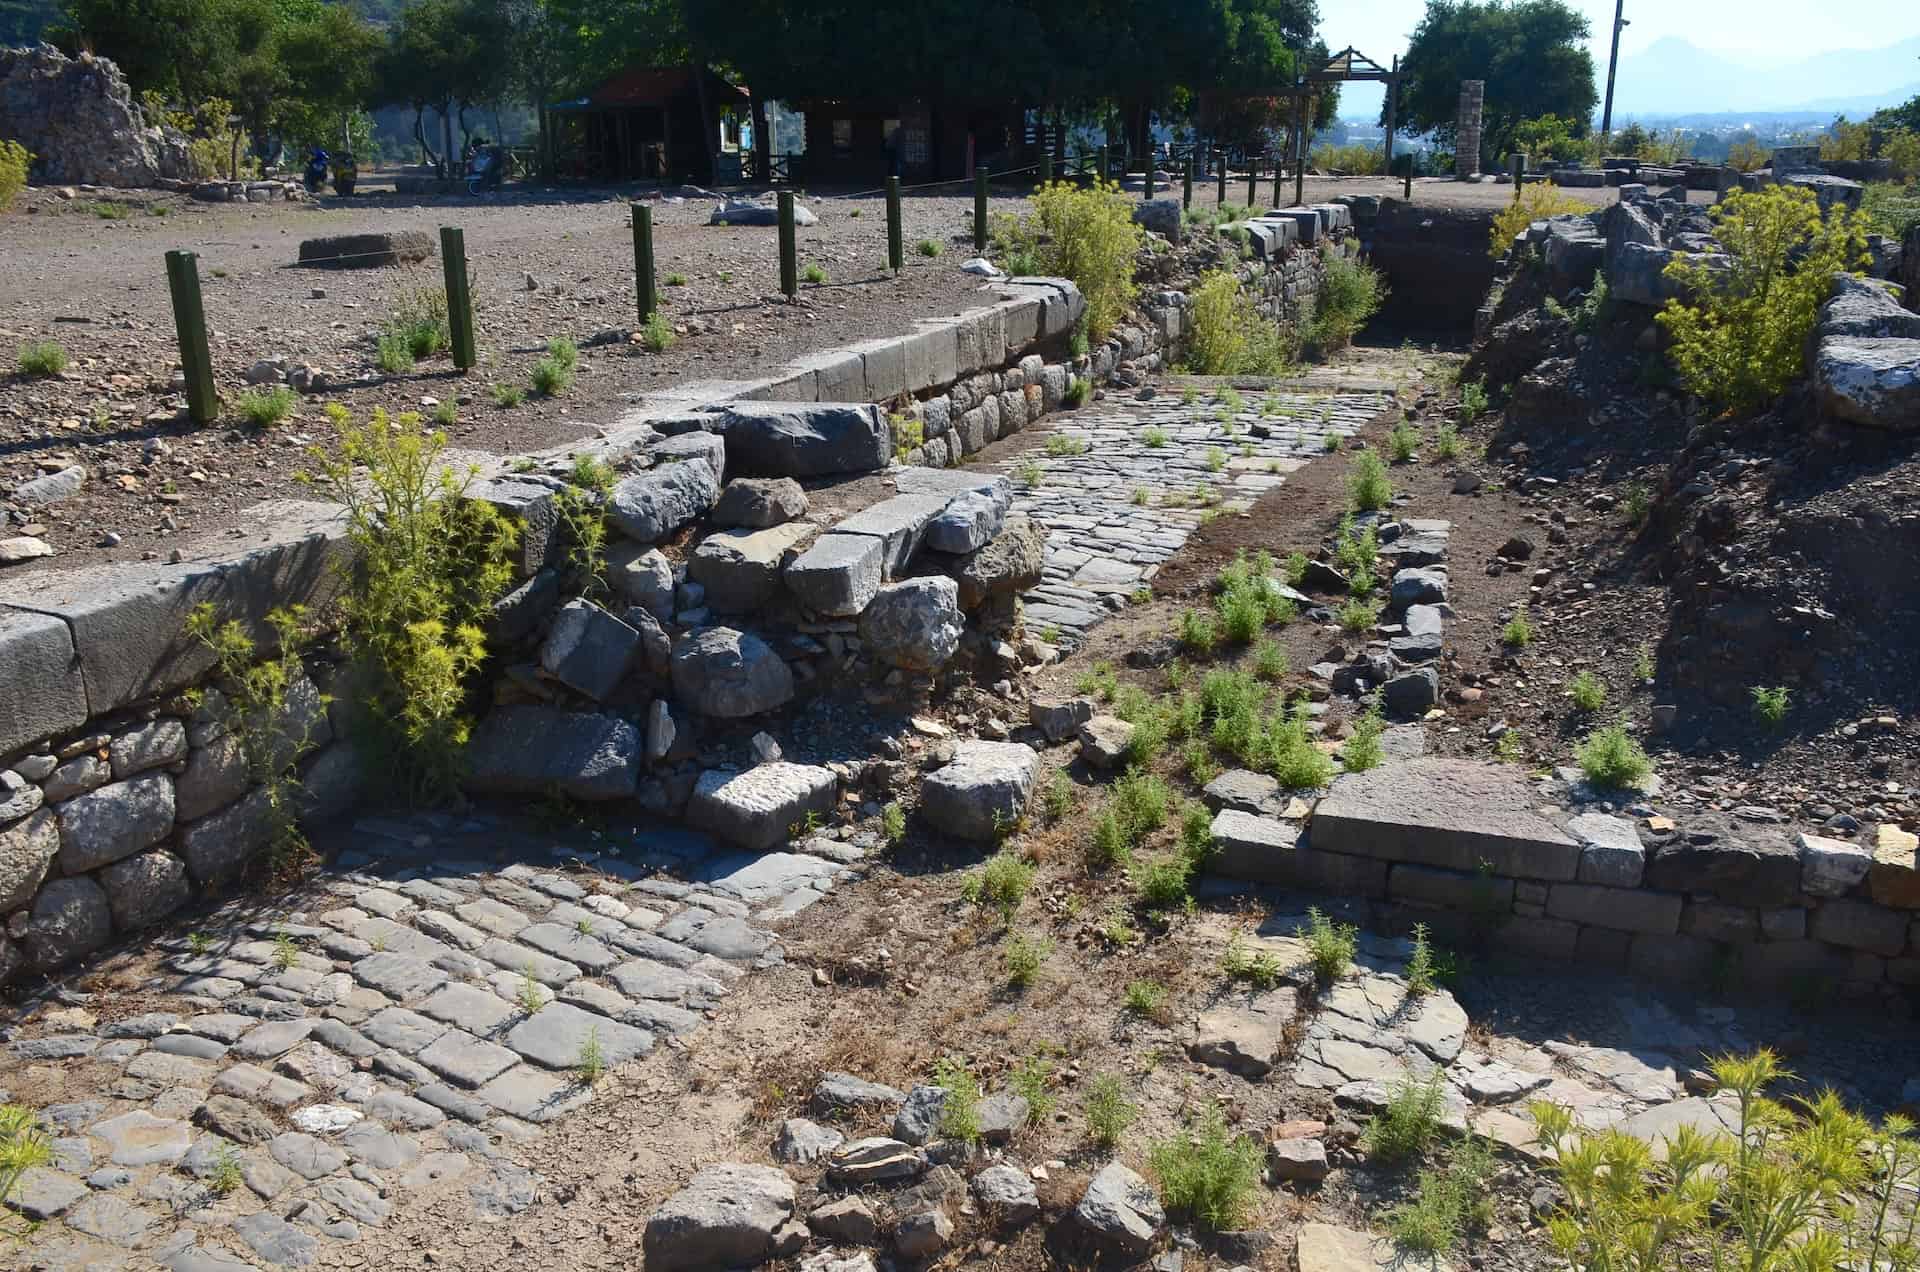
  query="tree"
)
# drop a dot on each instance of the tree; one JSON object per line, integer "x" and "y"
{"x": 24, "y": 21}
{"x": 1531, "y": 53}
{"x": 1906, "y": 115}
{"x": 445, "y": 55}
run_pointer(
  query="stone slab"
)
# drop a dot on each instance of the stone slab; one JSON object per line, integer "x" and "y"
{"x": 1444, "y": 812}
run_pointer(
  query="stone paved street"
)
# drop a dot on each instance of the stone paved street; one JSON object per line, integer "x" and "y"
{"x": 1151, "y": 471}
{"x": 300, "y": 1074}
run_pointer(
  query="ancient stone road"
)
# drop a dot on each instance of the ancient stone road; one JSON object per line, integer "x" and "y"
{"x": 410, "y": 1025}
{"x": 1115, "y": 511}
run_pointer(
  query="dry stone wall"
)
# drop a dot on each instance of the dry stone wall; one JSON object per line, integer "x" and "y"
{"x": 77, "y": 117}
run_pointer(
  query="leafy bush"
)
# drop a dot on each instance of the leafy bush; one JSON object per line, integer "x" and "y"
{"x": 1357, "y": 615}
{"x": 814, "y": 273}
{"x": 1403, "y": 443}
{"x": 14, "y": 162}
{"x": 1363, "y": 750}
{"x": 1161, "y": 883}
{"x": 1109, "y": 1112}
{"x": 1023, "y": 956}
{"x": 23, "y": 1145}
{"x": 1420, "y": 966}
{"x": 1518, "y": 632}
{"x": 1197, "y": 632}
{"x": 1141, "y": 801}
{"x": 1548, "y": 137}
{"x": 893, "y": 823}
{"x": 1207, "y": 1173}
{"x": 1446, "y": 1201}
{"x": 1153, "y": 437}
{"x": 1145, "y": 998}
{"x": 1537, "y": 202}
{"x": 393, "y": 353}
{"x": 1350, "y": 160}
{"x": 553, "y": 374}
{"x": 40, "y": 358}
{"x": 1091, "y": 238}
{"x": 508, "y": 396}
{"x": 419, "y": 323}
{"x": 429, "y": 563}
{"x": 1369, "y": 489}
{"x": 1741, "y": 337}
{"x": 1408, "y": 1124}
{"x": 1262, "y": 970}
{"x": 1350, "y": 293}
{"x": 1891, "y": 208}
{"x": 1078, "y": 392}
{"x": 1801, "y": 1186}
{"x": 929, "y": 248}
{"x": 1230, "y": 336}
{"x": 1270, "y": 662}
{"x": 265, "y": 409}
{"x": 1030, "y": 1081}
{"x": 1609, "y": 757}
{"x": 1003, "y": 883}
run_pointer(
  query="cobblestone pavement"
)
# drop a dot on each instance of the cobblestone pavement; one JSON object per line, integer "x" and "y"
{"x": 1150, "y": 471}
{"x": 292, "y": 1077}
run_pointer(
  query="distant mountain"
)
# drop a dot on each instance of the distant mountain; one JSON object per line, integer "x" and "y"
{"x": 1672, "y": 76}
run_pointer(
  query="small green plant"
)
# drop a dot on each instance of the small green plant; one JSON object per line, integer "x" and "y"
{"x": 1332, "y": 443}
{"x": 960, "y": 1110}
{"x": 592, "y": 1064}
{"x": 1362, "y": 750}
{"x": 508, "y": 396}
{"x": 1770, "y": 705}
{"x": 198, "y": 943}
{"x": 1141, "y": 497}
{"x": 1189, "y": 395}
{"x": 1003, "y": 883}
{"x": 1330, "y": 946}
{"x": 1270, "y": 661}
{"x": 1473, "y": 400}
{"x": 532, "y": 996}
{"x": 1062, "y": 444}
{"x": 679, "y": 280}
{"x": 1116, "y": 929}
{"x": 265, "y": 409}
{"x": 1031, "y": 1080}
{"x": 1611, "y": 758}
{"x": 1153, "y": 437}
{"x": 285, "y": 952}
{"x": 1643, "y": 669}
{"x": 1023, "y": 957}
{"x": 1216, "y": 459}
{"x": 1058, "y": 799}
{"x": 553, "y": 374}
{"x": 225, "y": 1177}
{"x": 41, "y": 358}
{"x": 1145, "y": 998}
{"x": 1109, "y": 1112}
{"x": 14, "y": 164}
{"x": 1197, "y": 634}
{"x": 445, "y": 413}
{"x": 1368, "y": 488}
{"x": 1403, "y": 443}
{"x": 1207, "y": 1173}
{"x": 1446, "y": 1202}
{"x": 1508, "y": 748}
{"x": 1447, "y": 443}
{"x": 1587, "y": 692}
{"x": 1637, "y": 504}
{"x": 1078, "y": 392}
{"x": 1519, "y": 631}
{"x": 814, "y": 273}
{"x": 656, "y": 334}
{"x": 929, "y": 248}
{"x": 1262, "y": 970}
{"x": 1420, "y": 972}
{"x": 1029, "y": 473}
{"x": 1357, "y": 616}
{"x": 893, "y": 823}
{"x": 1409, "y": 1122}
{"x": 109, "y": 211}
{"x": 1162, "y": 883}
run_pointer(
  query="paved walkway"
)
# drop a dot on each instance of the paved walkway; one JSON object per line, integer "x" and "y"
{"x": 1151, "y": 471}
{"x": 295, "y": 1075}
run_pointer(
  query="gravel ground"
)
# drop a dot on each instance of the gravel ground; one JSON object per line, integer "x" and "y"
{"x": 543, "y": 267}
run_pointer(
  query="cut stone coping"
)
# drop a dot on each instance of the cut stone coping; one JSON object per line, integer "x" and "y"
{"x": 1444, "y": 812}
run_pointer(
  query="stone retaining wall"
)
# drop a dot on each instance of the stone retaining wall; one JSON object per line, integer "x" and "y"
{"x": 1549, "y": 868}
{"x": 121, "y": 792}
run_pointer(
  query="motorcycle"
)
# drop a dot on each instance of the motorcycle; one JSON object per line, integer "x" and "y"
{"x": 345, "y": 173}
{"x": 486, "y": 168}
{"x": 316, "y": 174}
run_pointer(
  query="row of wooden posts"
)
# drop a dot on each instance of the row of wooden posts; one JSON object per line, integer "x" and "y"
{"x": 190, "y": 320}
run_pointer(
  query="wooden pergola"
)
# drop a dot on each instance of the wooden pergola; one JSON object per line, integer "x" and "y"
{"x": 1349, "y": 65}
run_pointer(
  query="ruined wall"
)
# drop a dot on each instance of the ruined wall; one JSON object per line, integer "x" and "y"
{"x": 77, "y": 117}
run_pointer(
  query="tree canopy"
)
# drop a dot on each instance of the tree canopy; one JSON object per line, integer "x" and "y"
{"x": 1531, "y": 53}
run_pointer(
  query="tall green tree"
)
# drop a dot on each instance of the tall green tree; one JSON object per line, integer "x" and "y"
{"x": 1531, "y": 53}
{"x": 25, "y": 21}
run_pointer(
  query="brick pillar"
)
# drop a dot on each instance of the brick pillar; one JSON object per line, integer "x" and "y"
{"x": 1466, "y": 128}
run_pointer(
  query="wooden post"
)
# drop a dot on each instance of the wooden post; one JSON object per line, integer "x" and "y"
{"x": 1186, "y": 190}
{"x": 896, "y": 250}
{"x": 1105, "y": 169}
{"x": 1046, "y": 167}
{"x": 789, "y": 262}
{"x": 1149, "y": 167}
{"x": 980, "y": 208}
{"x": 190, "y": 323}
{"x": 1299, "y": 150}
{"x": 1393, "y": 92}
{"x": 453, "y": 260}
{"x": 1518, "y": 163}
{"x": 1222, "y": 200}
{"x": 643, "y": 277}
{"x": 1253, "y": 177}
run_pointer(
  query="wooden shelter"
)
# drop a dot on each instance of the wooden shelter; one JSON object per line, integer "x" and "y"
{"x": 661, "y": 122}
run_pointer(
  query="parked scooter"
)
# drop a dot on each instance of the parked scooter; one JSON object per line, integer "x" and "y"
{"x": 486, "y": 168}
{"x": 316, "y": 174}
{"x": 345, "y": 173}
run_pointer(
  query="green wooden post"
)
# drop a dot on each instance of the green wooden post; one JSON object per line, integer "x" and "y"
{"x": 789, "y": 261}
{"x": 453, "y": 260}
{"x": 1105, "y": 169}
{"x": 1519, "y": 166}
{"x": 1253, "y": 178}
{"x": 1186, "y": 193}
{"x": 896, "y": 249}
{"x": 1222, "y": 200}
{"x": 643, "y": 276}
{"x": 1148, "y": 164}
{"x": 1046, "y": 167}
{"x": 980, "y": 208}
{"x": 190, "y": 322}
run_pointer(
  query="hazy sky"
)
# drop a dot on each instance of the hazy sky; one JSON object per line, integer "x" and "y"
{"x": 1759, "y": 32}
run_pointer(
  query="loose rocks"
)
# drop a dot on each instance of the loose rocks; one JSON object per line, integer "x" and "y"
{"x": 730, "y": 674}
{"x": 916, "y": 624}
{"x": 725, "y": 1217}
{"x": 755, "y": 809}
{"x": 983, "y": 789}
